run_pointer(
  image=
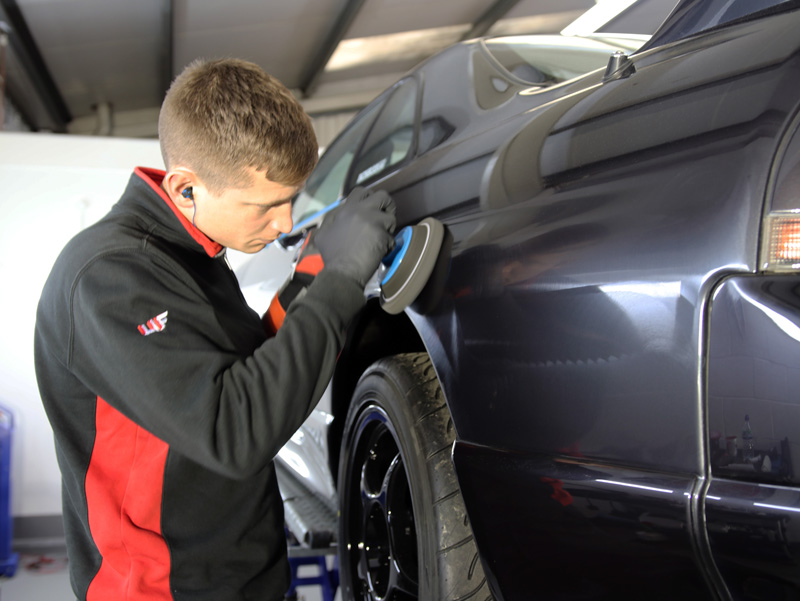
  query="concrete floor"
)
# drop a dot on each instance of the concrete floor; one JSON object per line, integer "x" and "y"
{"x": 40, "y": 576}
{"x": 43, "y": 576}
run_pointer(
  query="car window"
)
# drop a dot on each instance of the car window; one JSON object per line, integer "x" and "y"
{"x": 391, "y": 139}
{"x": 709, "y": 14}
{"x": 548, "y": 60}
{"x": 720, "y": 12}
{"x": 326, "y": 183}
{"x": 643, "y": 17}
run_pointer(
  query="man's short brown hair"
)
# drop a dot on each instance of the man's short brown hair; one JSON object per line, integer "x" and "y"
{"x": 221, "y": 117}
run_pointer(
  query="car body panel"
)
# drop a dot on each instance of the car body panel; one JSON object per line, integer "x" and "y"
{"x": 605, "y": 236}
{"x": 575, "y": 529}
{"x": 587, "y": 299}
{"x": 584, "y": 337}
{"x": 460, "y": 168}
{"x": 755, "y": 537}
{"x": 754, "y": 371}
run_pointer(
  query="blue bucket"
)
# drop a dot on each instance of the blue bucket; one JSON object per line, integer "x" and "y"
{"x": 8, "y": 560}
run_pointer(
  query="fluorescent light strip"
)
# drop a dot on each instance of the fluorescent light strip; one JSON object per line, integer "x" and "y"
{"x": 780, "y": 507}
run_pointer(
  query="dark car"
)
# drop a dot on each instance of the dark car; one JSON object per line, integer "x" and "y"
{"x": 601, "y": 382}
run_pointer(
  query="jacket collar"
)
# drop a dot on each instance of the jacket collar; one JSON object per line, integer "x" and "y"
{"x": 153, "y": 178}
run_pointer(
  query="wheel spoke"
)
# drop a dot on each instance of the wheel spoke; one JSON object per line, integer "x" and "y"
{"x": 362, "y": 568}
{"x": 368, "y": 461}
{"x": 379, "y": 454}
{"x": 402, "y": 529}
{"x": 395, "y": 475}
{"x": 401, "y": 588}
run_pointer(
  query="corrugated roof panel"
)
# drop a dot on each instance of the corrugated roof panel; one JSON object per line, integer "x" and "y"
{"x": 98, "y": 51}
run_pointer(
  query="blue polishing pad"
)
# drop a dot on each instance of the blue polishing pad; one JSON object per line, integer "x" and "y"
{"x": 410, "y": 264}
{"x": 395, "y": 257}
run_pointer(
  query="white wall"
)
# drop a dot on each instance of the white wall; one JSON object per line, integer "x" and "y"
{"x": 51, "y": 186}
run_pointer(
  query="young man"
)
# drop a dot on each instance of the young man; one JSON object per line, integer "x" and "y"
{"x": 167, "y": 400}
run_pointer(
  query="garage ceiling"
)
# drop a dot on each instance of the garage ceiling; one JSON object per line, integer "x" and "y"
{"x": 80, "y": 65}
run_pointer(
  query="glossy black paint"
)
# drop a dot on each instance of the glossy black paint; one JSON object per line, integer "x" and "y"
{"x": 753, "y": 502}
{"x": 754, "y": 371}
{"x": 754, "y": 533}
{"x": 584, "y": 303}
{"x": 574, "y": 332}
{"x": 576, "y": 529}
{"x": 588, "y": 236}
{"x": 591, "y": 222}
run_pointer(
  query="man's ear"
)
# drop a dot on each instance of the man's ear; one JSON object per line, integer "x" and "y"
{"x": 176, "y": 181}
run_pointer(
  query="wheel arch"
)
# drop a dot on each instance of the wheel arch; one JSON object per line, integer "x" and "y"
{"x": 374, "y": 335}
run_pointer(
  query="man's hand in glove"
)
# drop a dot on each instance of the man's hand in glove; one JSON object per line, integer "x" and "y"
{"x": 356, "y": 235}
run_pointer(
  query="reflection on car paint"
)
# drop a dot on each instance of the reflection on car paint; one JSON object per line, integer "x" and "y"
{"x": 753, "y": 365}
{"x": 602, "y": 331}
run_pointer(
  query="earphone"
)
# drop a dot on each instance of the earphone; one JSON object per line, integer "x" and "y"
{"x": 187, "y": 193}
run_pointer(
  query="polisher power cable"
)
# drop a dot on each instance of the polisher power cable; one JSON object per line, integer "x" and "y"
{"x": 410, "y": 263}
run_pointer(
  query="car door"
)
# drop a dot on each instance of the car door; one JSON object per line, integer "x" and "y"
{"x": 581, "y": 328}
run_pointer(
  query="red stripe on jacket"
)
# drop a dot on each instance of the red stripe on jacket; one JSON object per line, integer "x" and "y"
{"x": 124, "y": 486}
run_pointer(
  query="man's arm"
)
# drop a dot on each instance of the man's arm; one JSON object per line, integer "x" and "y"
{"x": 187, "y": 384}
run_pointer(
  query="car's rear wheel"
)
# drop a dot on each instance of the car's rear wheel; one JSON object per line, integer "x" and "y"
{"x": 404, "y": 533}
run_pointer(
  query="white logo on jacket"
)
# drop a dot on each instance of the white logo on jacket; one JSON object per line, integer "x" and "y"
{"x": 156, "y": 324}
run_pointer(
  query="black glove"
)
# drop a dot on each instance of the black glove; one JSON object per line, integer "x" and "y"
{"x": 356, "y": 235}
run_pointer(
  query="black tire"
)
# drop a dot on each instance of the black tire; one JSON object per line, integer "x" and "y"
{"x": 403, "y": 538}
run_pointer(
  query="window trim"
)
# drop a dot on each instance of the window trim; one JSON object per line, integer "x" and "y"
{"x": 350, "y": 179}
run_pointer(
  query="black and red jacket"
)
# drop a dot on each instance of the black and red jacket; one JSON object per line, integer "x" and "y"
{"x": 168, "y": 403}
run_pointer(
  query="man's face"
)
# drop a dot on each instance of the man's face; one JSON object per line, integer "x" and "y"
{"x": 245, "y": 219}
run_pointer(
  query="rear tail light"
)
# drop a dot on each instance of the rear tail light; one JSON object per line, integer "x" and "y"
{"x": 781, "y": 250}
